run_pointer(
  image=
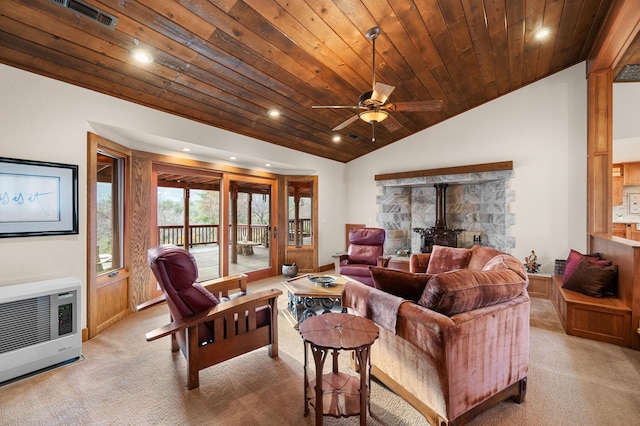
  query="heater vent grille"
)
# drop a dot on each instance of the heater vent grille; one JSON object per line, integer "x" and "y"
{"x": 89, "y": 11}
{"x": 24, "y": 323}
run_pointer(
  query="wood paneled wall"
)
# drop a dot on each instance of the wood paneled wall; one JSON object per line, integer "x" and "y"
{"x": 142, "y": 213}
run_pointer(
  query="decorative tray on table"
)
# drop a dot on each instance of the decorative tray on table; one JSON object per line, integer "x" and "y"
{"x": 323, "y": 280}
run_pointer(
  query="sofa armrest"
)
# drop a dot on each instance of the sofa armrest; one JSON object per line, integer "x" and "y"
{"x": 499, "y": 338}
{"x": 418, "y": 262}
{"x": 424, "y": 328}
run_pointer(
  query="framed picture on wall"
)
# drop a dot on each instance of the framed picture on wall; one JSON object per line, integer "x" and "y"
{"x": 37, "y": 198}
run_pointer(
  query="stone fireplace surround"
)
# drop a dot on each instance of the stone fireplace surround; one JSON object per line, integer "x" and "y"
{"x": 476, "y": 202}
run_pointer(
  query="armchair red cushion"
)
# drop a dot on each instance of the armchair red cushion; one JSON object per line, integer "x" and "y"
{"x": 366, "y": 246}
{"x": 176, "y": 272}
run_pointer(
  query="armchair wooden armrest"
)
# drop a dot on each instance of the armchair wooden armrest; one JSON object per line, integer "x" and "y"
{"x": 220, "y": 287}
{"x": 259, "y": 298}
{"x": 383, "y": 261}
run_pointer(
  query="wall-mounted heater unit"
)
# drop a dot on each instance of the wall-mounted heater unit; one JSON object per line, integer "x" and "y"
{"x": 39, "y": 326}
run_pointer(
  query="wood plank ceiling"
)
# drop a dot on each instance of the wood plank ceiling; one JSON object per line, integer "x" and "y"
{"x": 226, "y": 63}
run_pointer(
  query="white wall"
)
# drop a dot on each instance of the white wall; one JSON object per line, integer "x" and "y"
{"x": 47, "y": 120}
{"x": 542, "y": 128}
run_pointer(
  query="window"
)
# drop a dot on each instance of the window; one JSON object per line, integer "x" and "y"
{"x": 110, "y": 213}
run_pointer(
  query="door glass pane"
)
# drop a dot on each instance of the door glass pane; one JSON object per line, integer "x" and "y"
{"x": 170, "y": 216}
{"x": 204, "y": 228}
{"x": 300, "y": 208}
{"x": 199, "y": 232}
{"x": 109, "y": 218}
{"x": 249, "y": 223}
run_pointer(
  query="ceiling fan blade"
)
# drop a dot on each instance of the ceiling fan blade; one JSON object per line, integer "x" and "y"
{"x": 346, "y": 123}
{"x": 381, "y": 92}
{"x": 391, "y": 124}
{"x": 336, "y": 106}
{"x": 415, "y": 106}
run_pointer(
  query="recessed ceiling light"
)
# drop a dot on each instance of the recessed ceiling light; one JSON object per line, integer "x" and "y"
{"x": 274, "y": 113}
{"x": 267, "y": 165}
{"x": 336, "y": 138}
{"x": 542, "y": 33}
{"x": 142, "y": 56}
{"x": 233, "y": 158}
{"x": 186, "y": 149}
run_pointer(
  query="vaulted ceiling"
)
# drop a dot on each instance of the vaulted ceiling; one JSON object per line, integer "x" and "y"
{"x": 227, "y": 63}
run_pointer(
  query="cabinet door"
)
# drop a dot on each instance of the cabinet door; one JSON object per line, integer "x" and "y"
{"x": 616, "y": 190}
{"x": 620, "y": 230}
{"x": 632, "y": 173}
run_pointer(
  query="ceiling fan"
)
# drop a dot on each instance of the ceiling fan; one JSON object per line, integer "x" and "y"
{"x": 374, "y": 105}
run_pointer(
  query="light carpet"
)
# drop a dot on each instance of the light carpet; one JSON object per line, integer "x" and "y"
{"x": 125, "y": 380}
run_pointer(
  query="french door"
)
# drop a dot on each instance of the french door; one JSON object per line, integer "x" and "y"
{"x": 251, "y": 231}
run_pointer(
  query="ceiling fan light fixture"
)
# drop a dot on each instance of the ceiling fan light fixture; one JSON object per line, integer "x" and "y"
{"x": 373, "y": 116}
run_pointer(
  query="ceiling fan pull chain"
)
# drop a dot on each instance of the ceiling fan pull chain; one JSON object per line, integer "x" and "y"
{"x": 373, "y": 131}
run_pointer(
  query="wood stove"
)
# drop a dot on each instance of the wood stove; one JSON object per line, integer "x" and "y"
{"x": 438, "y": 234}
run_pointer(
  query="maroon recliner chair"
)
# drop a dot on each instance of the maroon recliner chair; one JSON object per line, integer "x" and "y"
{"x": 366, "y": 248}
{"x": 210, "y": 322}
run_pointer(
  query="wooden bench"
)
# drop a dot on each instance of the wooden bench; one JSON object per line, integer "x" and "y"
{"x": 605, "y": 319}
{"x": 246, "y": 247}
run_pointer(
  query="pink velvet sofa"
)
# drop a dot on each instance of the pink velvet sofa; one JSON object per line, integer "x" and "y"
{"x": 454, "y": 332}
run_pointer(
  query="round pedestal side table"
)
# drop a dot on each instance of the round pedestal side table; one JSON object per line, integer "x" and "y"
{"x": 337, "y": 394}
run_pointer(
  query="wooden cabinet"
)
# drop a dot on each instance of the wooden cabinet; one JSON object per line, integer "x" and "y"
{"x": 632, "y": 232}
{"x": 617, "y": 184}
{"x": 626, "y": 230}
{"x": 632, "y": 173}
{"x": 620, "y": 230}
{"x": 401, "y": 263}
{"x": 539, "y": 285}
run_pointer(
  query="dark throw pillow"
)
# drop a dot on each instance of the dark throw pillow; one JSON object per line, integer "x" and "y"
{"x": 592, "y": 279}
{"x": 574, "y": 259}
{"x": 407, "y": 285}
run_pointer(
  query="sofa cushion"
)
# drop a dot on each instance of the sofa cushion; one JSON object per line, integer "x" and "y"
{"x": 463, "y": 290}
{"x": 403, "y": 284}
{"x": 445, "y": 259}
{"x": 592, "y": 279}
{"x": 574, "y": 259}
{"x": 480, "y": 255}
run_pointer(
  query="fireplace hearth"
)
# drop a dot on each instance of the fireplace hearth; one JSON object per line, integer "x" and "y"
{"x": 478, "y": 202}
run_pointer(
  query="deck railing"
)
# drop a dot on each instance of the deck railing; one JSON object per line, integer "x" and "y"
{"x": 305, "y": 229}
{"x": 209, "y": 234}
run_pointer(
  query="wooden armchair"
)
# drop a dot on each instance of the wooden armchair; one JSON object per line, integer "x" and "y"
{"x": 209, "y": 322}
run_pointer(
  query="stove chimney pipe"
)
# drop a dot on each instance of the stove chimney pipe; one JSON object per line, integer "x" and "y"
{"x": 441, "y": 207}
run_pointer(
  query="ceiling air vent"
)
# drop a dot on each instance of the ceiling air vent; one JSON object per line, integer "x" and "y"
{"x": 90, "y": 12}
{"x": 353, "y": 136}
{"x": 629, "y": 73}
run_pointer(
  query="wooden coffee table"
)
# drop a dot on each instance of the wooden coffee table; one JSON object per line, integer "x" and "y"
{"x": 338, "y": 394}
{"x": 308, "y": 299}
